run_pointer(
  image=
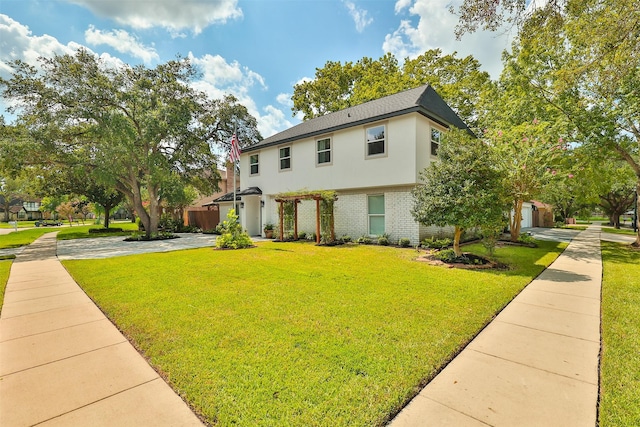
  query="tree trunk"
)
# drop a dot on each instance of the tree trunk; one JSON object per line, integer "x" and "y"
{"x": 107, "y": 212}
{"x": 637, "y": 242}
{"x": 516, "y": 220}
{"x": 456, "y": 240}
{"x": 154, "y": 216}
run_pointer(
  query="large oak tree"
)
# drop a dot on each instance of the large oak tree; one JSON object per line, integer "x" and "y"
{"x": 132, "y": 128}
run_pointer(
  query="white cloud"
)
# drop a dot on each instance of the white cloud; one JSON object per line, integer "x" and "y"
{"x": 17, "y": 42}
{"x": 285, "y": 99}
{"x": 359, "y": 16}
{"x": 174, "y": 15}
{"x": 220, "y": 77}
{"x": 435, "y": 29}
{"x": 401, "y": 5}
{"x": 121, "y": 41}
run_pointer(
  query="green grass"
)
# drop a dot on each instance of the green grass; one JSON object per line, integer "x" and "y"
{"x": 298, "y": 334}
{"x": 627, "y": 231}
{"x": 21, "y": 224}
{"x": 16, "y": 239}
{"x": 5, "y": 267}
{"x": 620, "y": 362}
{"x": 82, "y": 231}
{"x": 574, "y": 227}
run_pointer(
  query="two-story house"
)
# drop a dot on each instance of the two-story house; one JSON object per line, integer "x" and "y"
{"x": 370, "y": 154}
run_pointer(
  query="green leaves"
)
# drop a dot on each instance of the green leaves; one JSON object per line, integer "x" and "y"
{"x": 462, "y": 188}
{"x": 128, "y": 127}
{"x": 336, "y": 86}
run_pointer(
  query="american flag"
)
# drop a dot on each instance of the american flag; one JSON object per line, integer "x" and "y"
{"x": 234, "y": 154}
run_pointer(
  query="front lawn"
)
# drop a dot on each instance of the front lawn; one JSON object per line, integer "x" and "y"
{"x": 627, "y": 231}
{"x": 298, "y": 334}
{"x": 15, "y": 239}
{"x": 5, "y": 267}
{"x": 620, "y": 363}
{"x": 82, "y": 231}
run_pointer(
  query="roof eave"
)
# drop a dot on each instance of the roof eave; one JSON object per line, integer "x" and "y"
{"x": 416, "y": 109}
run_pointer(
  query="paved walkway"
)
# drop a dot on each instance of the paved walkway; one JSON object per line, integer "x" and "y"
{"x": 62, "y": 363}
{"x": 536, "y": 364}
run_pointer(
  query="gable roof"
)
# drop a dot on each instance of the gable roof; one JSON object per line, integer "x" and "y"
{"x": 423, "y": 100}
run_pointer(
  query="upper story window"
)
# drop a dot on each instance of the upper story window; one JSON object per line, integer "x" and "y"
{"x": 323, "y": 147}
{"x": 376, "y": 140}
{"x": 285, "y": 158}
{"x": 254, "y": 166}
{"x": 435, "y": 141}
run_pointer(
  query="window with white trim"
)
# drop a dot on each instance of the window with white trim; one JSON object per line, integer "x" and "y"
{"x": 323, "y": 147}
{"x": 376, "y": 143}
{"x": 285, "y": 158}
{"x": 375, "y": 210}
{"x": 435, "y": 141}
{"x": 254, "y": 166}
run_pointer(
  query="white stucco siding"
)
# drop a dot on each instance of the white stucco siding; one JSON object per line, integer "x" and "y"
{"x": 349, "y": 168}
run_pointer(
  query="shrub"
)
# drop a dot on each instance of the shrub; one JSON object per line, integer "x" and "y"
{"x": 365, "y": 240}
{"x": 404, "y": 242}
{"x": 311, "y": 237}
{"x": 346, "y": 238}
{"x": 527, "y": 239}
{"x": 446, "y": 255}
{"x": 302, "y": 235}
{"x": 383, "y": 240}
{"x": 433, "y": 243}
{"x": 232, "y": 236}
{"x": 105, "y": 230}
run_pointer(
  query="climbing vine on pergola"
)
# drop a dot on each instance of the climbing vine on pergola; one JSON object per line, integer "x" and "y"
{"x": 324, "y": 210}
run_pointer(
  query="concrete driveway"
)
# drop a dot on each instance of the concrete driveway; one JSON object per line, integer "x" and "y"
{"x": 107, "y": 247}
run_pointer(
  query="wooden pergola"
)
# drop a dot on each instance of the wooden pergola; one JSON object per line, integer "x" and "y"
{"x": 297, "y": 198}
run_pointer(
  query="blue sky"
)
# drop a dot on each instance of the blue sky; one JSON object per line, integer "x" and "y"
{"x": 257, "y": 49}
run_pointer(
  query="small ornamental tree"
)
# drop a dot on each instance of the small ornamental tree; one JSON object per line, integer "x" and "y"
{"x": 232, "y": 236}
{"x": 527, "y": 156}
{"x": 67, "y": 210}
{"x": 462, "y": 188}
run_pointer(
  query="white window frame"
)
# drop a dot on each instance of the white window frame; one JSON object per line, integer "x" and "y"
{"x": 376, "y": 215}
{"x": 256, "y": 164}
{"x": 281, "y": 158}
{"x": 326, "y": 150}
{"x": 367, "y": 142}
{"x": 435, "y": 142}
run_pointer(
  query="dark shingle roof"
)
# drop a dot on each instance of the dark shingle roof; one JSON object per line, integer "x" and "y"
{"x": 251, "y": 191}
{"x": 423, "y": 100}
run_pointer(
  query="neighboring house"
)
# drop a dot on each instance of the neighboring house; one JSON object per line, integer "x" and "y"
{"x": 370, "y": 154}
{"x": 205, "y": 212}
{"x": 542, "y": 214}
{"x": 25, "y": 210}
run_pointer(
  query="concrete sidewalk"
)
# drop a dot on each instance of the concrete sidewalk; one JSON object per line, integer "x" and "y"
{"x": 536, "y": 364}
{"x": 63, "y": 363}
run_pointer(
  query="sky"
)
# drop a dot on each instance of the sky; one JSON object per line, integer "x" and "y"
{"x": 257, "y": 50}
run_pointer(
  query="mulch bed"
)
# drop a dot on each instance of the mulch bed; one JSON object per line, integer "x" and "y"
{"x": 475, "y": 262}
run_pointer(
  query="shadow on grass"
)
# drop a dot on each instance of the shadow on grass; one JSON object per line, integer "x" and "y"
{"x": 620, "y": 253}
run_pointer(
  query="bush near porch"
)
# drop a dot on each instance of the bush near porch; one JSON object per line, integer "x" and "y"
{"x": 299, "y": 334}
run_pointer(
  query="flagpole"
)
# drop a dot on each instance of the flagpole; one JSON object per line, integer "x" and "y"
{"x": 235, "y": 136}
